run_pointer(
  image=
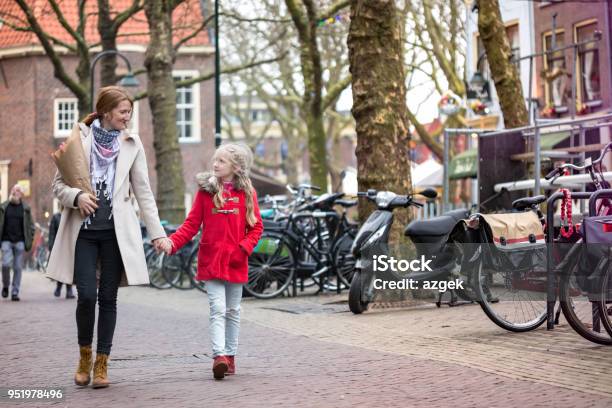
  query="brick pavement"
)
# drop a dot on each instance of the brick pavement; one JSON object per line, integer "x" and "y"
{"x": 315, "y": 356}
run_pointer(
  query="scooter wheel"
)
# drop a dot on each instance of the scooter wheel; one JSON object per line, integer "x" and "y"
{"x": 356, "y": 305}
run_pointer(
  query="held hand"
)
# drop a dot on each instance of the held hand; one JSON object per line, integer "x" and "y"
{"x": 87, "y": 204}
{"x": 167, "y": 246}
{"x": 163, "y": 244}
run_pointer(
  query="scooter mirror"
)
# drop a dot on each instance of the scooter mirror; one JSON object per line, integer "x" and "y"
{"x": 429, "y": 193}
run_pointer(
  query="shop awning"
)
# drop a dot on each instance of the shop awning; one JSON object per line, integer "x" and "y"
{"x": 465, "y": 164}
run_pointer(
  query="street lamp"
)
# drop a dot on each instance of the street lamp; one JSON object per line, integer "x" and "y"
{"x": 479, "y": 85}
{"x": 129, "y": 80}
{"x": 217, "y": 79}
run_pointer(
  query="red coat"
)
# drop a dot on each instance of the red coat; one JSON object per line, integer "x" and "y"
{"x": 227, "y": 240}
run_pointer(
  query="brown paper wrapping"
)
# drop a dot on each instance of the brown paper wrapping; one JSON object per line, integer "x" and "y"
{"x": 72, "y": 164}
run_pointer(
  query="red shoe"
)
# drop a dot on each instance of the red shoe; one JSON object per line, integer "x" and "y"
{"x": 231, "y": 369}
{"x": 220, "y": 366}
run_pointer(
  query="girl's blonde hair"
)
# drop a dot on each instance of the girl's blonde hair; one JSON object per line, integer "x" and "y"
{"x": 240, "y": 157}
{"x": 108, "y": 99}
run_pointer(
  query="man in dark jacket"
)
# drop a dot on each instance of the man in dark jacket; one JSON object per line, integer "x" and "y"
{"x": 16, "y": 235}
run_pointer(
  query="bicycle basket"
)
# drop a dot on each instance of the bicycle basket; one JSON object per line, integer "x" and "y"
{"x": 517, "y": 247}
{"x": 597, "y": 242}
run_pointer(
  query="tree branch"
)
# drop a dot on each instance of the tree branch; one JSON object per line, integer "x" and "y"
{"x": 194, "y": 33}
{"x": 333, "y": 9}
{"x": 59, "y": 71}
{"x": 62, "y": 20}
{"x": 335, "y": 90}
{"x": 210, "y": 75}
{"x": 428, "y": 139}
{"x": 126, "y": 14}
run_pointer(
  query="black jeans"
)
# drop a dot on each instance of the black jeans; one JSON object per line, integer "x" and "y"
{"x": 92, "y": 246}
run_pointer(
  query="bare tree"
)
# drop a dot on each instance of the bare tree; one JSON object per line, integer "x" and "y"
{"x": 435, "y": 45}
{"x": 282, "y": 87}
{"x": 503, "y": 71}
{"x": 29, "y": 21}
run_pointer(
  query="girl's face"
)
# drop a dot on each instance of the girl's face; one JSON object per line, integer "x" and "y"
{"x": 222, "y": 168}
{"x": 119, "y": 117}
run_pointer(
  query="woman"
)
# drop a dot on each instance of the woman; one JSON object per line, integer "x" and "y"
{"x": 104, "y": 231}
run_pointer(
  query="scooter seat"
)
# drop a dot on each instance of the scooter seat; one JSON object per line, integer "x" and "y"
{"x": 437, "y": 226}
{"x": 458, "y": 214}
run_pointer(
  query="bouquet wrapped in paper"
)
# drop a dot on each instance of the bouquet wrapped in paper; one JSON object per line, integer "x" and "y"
{"x": 72, "y": 164}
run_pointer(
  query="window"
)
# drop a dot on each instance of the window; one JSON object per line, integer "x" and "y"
{"x": 588, "y": 64}
{"x": 555, "y": 73}
{"x": 65, "y": 114}
{"x": 187, "y": 108}
{"x": 133, "y": 126}
{"x": 512, "y": 32}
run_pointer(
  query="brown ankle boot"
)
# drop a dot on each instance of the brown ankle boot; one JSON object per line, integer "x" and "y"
{"x": 100, "y": 379}
{"x": 83, "y": 373}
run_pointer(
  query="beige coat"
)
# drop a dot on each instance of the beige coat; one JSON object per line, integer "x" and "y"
{"x": 131, "y": 173}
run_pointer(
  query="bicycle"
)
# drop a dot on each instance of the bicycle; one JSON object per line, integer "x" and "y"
{"x": 310, "y": 243}
{"x": 523, "y": 306}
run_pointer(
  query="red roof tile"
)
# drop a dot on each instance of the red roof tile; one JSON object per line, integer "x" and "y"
{"x": 186, "y": 18}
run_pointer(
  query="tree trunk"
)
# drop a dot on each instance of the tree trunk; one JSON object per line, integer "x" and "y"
{"x": 379, "y": 103}
{"x": 317, "y": 151}
{"x": 162, "y": 100}
{"x": 504, "y": 73}
{"x": 108, "y": 38}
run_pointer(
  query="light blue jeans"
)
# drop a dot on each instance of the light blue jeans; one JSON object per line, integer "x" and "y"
{"x": 12, "y": 256}
{"x": 224, "y": 300}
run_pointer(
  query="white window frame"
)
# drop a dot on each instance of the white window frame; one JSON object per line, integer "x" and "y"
{"x": 4, "y": 179}
{"x": 133, "y": 128}
{"x": 56, "y": 102}
{"x": 196, "y": 134}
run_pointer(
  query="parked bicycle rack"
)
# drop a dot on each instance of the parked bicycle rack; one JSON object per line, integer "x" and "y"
{"x": 551, "y": 278}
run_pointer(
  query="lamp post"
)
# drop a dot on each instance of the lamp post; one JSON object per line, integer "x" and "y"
{"x": 217, "y": 79}
{"x": 129, "y": 80}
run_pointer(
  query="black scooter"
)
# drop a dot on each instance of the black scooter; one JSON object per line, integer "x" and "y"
{"x": 429, "y": 236}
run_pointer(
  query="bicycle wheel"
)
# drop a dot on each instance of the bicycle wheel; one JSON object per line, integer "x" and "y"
{"x": 176, "y": 273}
{"x": 271, "y": 267}
{"x": 580, "y": 302}
{"x": 605, "y": 304}
{"x": 514, "y": 300}
{"x": 343, "y": 260}
{"x": 154, "y": 266}
{"x": 193, "y": 271}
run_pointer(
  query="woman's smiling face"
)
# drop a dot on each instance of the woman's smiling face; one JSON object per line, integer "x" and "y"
{"x": 119, "y": 117}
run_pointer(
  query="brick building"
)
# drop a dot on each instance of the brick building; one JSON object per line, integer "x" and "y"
{"x": 37, "y": 111}
{"x": 575, "y": 23}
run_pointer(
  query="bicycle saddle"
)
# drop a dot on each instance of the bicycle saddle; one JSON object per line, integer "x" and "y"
{"x": 441, "y": 225}
{"x": 527, "y": 202}
{"x": 346, "y": 203}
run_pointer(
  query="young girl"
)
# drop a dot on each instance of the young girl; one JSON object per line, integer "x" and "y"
{"x": 226, "y": 208}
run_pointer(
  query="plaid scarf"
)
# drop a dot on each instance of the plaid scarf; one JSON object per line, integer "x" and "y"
{"x": 103, "y": 162}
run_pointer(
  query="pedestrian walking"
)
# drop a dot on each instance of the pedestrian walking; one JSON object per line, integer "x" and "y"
{"x": 16, "y": 236}
{"x": 104, "y": 230}
{"x": 226, "y": 209}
